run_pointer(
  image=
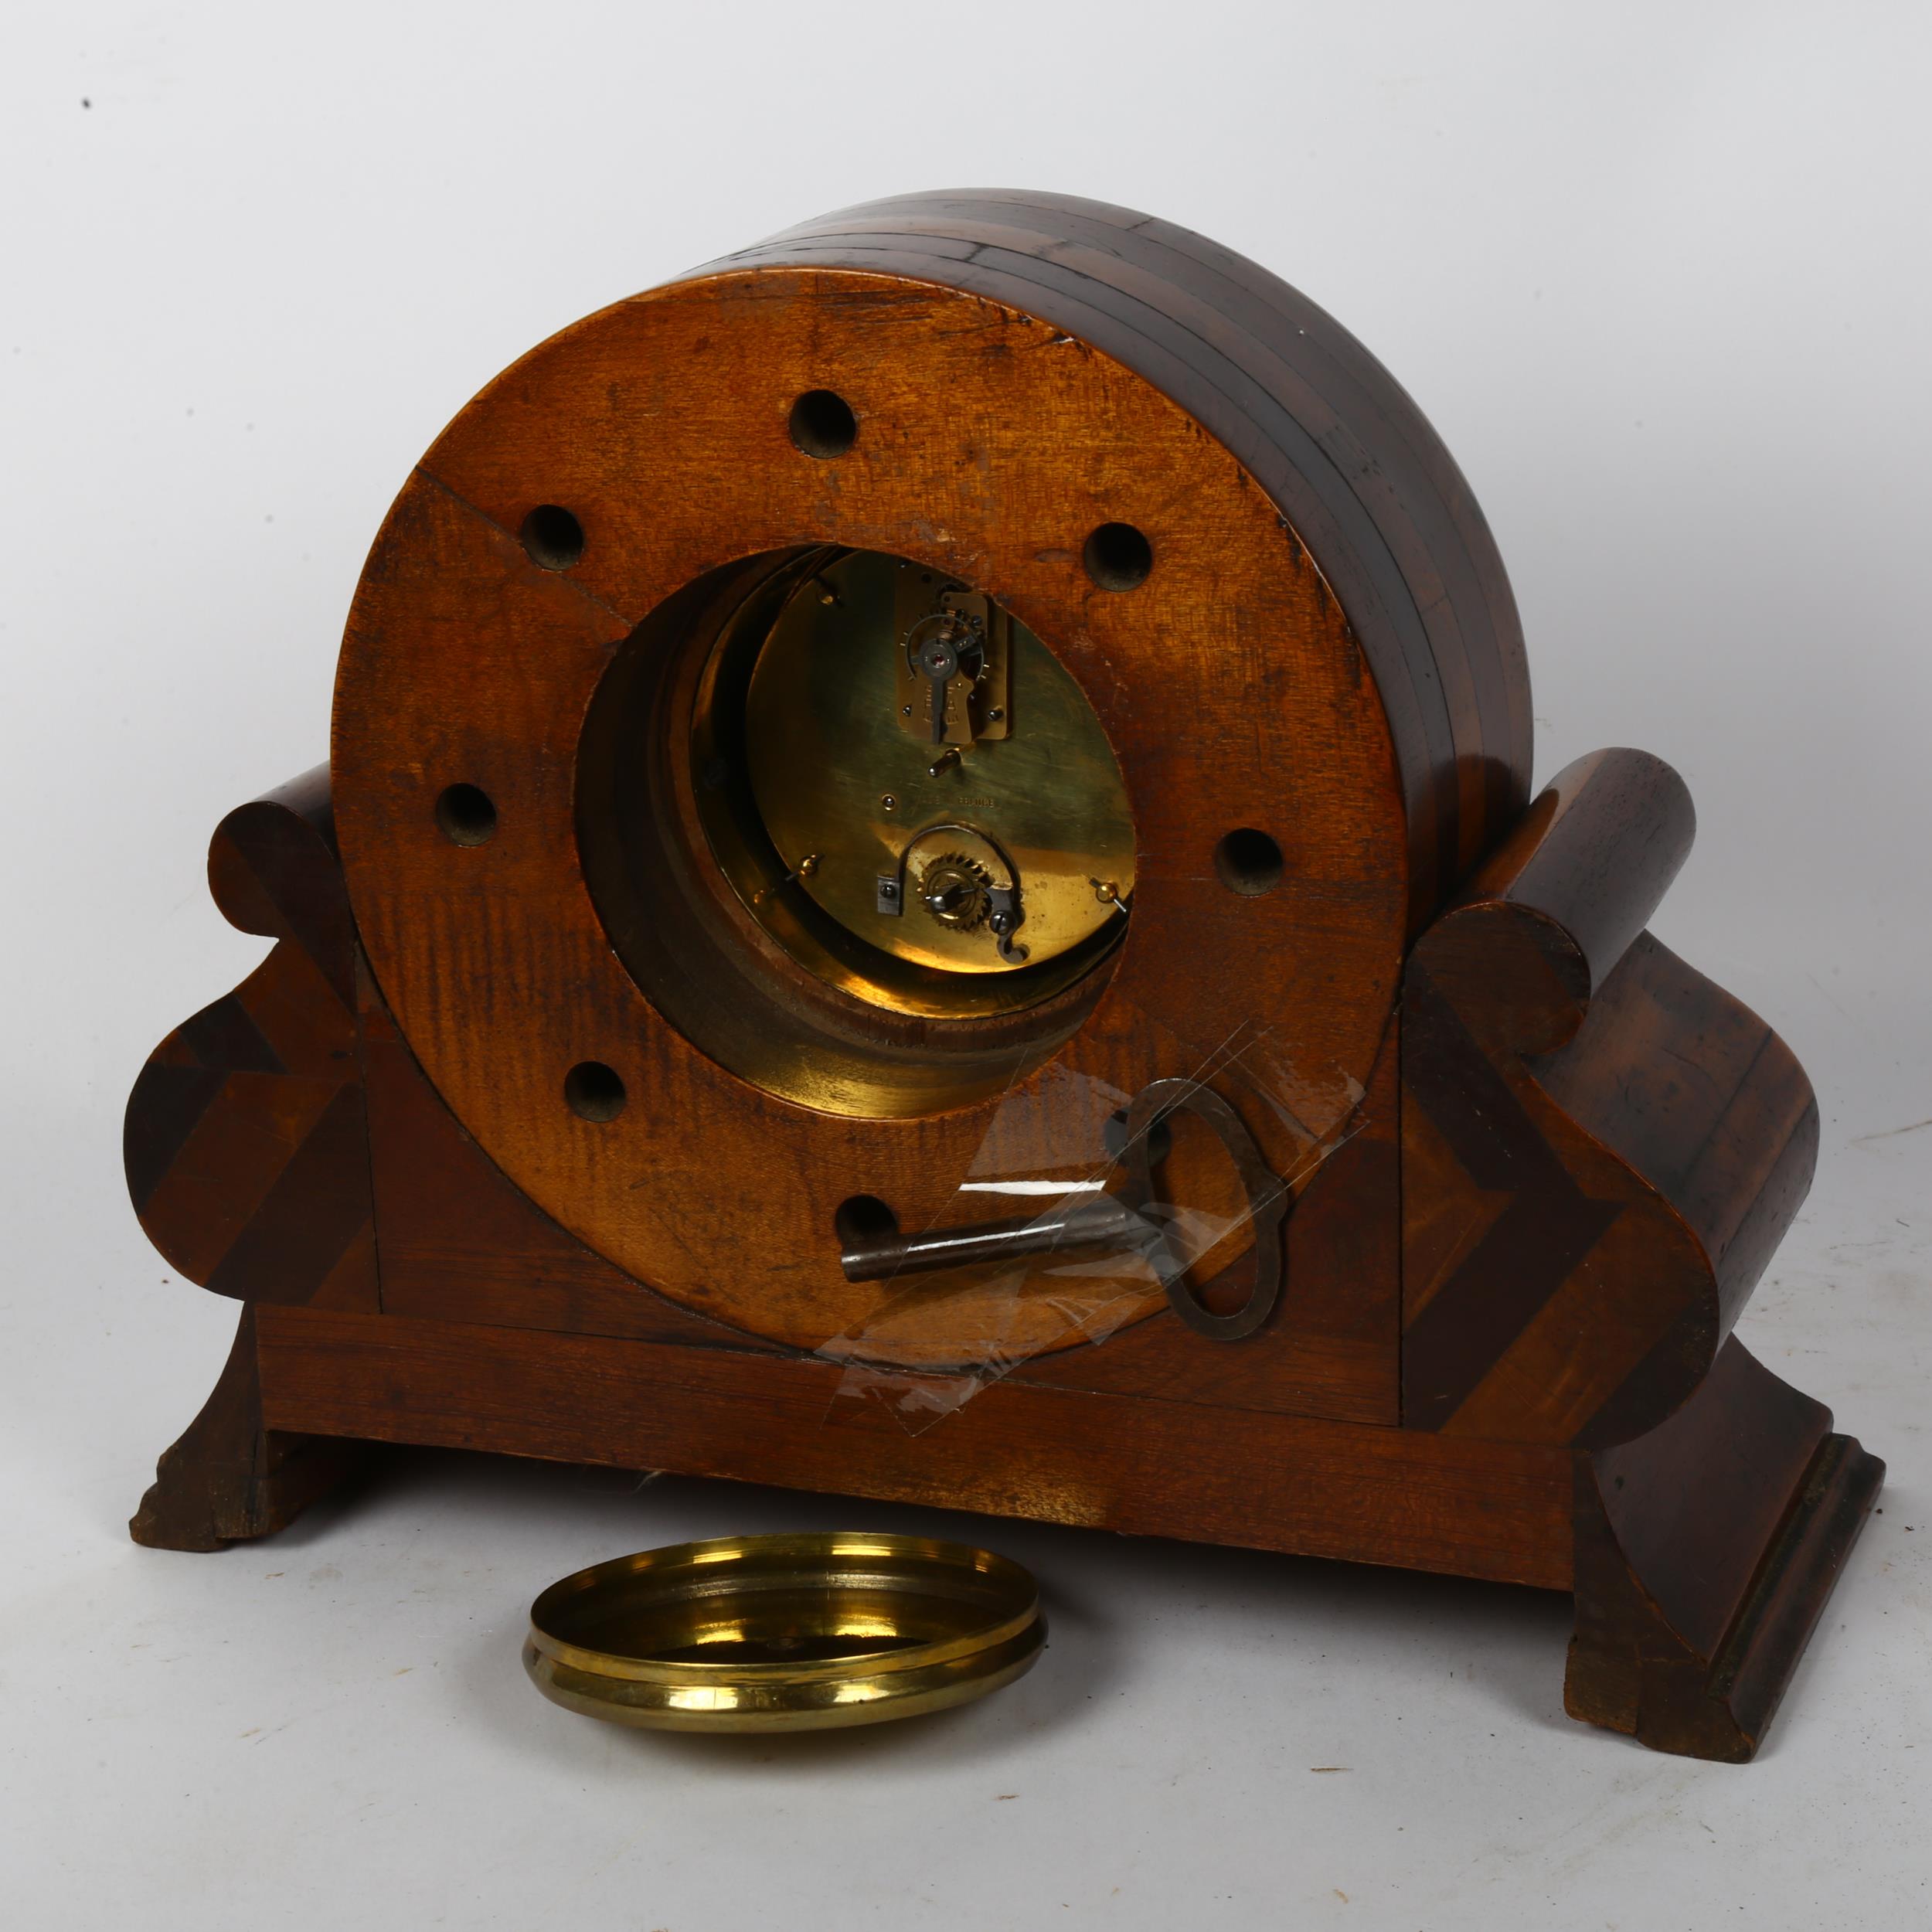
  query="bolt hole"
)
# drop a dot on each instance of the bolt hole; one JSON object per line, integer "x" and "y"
{"x": 466, "y": 815}
{"x": 1249, "y": 862}
{"x": 863, "y": 1217}
{"x": 594, "y": 1092}
{"x": 822, "y": 424}
{"x": 552, "y": 538}
{"x": 1117, "y": 557}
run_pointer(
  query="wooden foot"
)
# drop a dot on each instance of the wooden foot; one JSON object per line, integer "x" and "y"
{"x": 228, "y": 1478}
{"x": 1705, "y": 1552}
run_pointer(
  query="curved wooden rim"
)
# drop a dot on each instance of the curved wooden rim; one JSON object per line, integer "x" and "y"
{"x": 1343, "y": 449}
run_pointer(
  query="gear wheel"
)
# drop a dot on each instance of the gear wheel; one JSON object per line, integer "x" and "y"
{"x": 954, "y": 890}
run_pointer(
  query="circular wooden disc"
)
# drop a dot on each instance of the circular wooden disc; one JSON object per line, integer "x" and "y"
{"x": 990, "y": 444}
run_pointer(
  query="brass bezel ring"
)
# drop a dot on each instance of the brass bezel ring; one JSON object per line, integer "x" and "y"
{"x": 972, "y": 1618}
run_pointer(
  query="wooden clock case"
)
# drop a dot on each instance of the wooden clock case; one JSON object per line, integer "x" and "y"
{"x": 1530, "y": 1165}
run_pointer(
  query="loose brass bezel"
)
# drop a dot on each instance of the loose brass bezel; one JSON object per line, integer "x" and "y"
{"x": 813, "y": 1630}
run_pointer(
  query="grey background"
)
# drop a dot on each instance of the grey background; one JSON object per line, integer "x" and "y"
{"x": 1658, "y": 273}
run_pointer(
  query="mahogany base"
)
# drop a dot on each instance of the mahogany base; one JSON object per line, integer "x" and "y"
{"x": 1695, "y": 1595}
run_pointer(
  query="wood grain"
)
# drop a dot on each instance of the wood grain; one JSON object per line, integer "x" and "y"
{"x": 1498, "y": 1510}
{"x": 1705, "y": 1552}
{"x": 245, "y": 1141}
{"x": 1229, "y": 684}
{"x": 1600, "y": 1147}
{"x": 1342, "y": 448}
{"x": 229, "y": 1478}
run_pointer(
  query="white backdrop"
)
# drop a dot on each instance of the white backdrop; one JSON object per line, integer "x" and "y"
{"x": 1658, "y": 274}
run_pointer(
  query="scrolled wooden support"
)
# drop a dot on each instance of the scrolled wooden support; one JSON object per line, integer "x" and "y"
{"x": 1705, "y": 1551}
{"x": 245, "y": 1140}
{"x": 246, "y": 1149}
{"x": 228, "y": 1478}
{"x": 1601, "y": 1150}
{"x": 1590, "y": 860}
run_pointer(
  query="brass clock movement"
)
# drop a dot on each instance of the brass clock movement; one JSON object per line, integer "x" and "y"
{"x": 926, "y": 885}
